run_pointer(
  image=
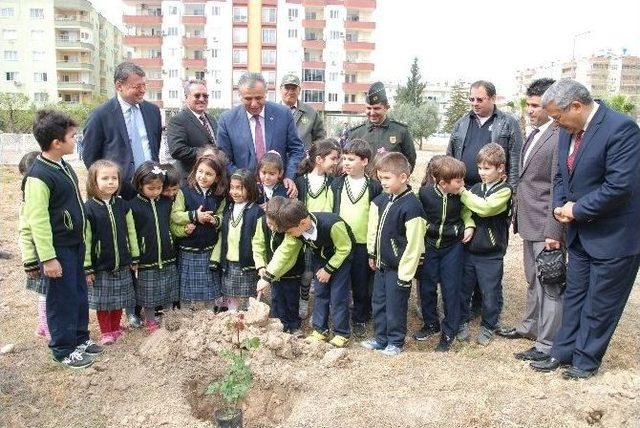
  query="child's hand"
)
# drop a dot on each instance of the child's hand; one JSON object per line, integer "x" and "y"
{"x": 263, "y": 206}
{"x": 323, "y": 276}
{"x": 189, "y": 228}
{"x": 33, "y": 274}
{"x": 52, "y": 268}
{"x": 261, "y": 272}
{"x": 372, "y": 265}
{"x": 262, "y": 286}
{"x": 134, "y": 269}
{"x": 91, "y": 278}
{"x": 204, "y": 216}
{"x": 468, "y": 234}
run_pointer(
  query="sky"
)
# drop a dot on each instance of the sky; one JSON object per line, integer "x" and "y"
{"x": 490, "y": 40}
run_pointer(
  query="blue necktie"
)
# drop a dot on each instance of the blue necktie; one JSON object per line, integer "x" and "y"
{"x": 134, "y": 136}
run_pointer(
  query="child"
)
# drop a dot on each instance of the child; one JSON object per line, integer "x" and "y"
{"x": 200, "y": 202}
{"x": 314, "y": 190}
{"x": 54, "y": 213}
{"x": 395, "y": 242}
{"x": 445, "y": 235}
{"x": 286, "y": 286}
{"x": 352, "y": 196}
{"x": 490, "y": 205}
{"x": 331, "y": 241}
{"x": 111, "y": 249}
{"x": 35, "y": 281}
{"x": 157, "y": 273}
{"x": 270, "y": 172}
{"x": 233, "y": 252}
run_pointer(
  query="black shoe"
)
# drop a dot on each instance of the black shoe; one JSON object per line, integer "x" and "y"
{"x": 359, "y": 329}
{"x": 509, "y": 333}
{"x": 218, "y": 309}
{"x": 425, "y": 332}
{"x": 531, "y": 354}
{"x": 576, "y": 373}
{"x": 445, "y": 343}
{"x": 5, "y": 255}
{"x": 549, "y": 364}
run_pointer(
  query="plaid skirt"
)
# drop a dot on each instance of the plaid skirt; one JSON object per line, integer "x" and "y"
{"x": 39, "y": 285}
{"x": 239, "y": 283}
{"x": 112, "y": 290}
{"x": 157, "y": 287}
{"x": 198, "y": 283}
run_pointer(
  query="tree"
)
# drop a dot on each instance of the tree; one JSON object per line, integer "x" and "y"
{"x": 422, "y": 120}
{"x": 79, "y": 112}
{"x": 16, "y": 113}
{"x": 621, "y": 104}
{"x": 412, "y": 93}
{"x": 458, "y": 106}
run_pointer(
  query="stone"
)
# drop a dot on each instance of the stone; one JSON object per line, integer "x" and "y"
{"x": 6, "y": 349}
{"x": 333, "y": 357}
{"x": 257, "y": 314}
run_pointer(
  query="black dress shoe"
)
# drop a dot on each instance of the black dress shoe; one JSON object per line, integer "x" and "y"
{"x": 531, "y": 354}
{"x": 509, "y": 333}
{"x": 547, "y": 365}
{"x": 576, "y": 373}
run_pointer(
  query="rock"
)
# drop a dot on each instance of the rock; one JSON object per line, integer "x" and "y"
{"x": 333, "y": 357}
{"x": 593, "y": 416}
{"x": 6, "y": 349}
{"x": 275, "y": 325}
{"x": 257, "y": 314}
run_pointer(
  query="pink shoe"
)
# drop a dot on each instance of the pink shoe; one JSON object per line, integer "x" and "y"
{"x": 118, "y": 334}
{"x": 107, "y": 339}
{"x": 151, "y": 326}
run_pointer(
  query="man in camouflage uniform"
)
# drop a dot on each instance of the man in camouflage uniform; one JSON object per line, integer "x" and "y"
{"x": 381, "y": 132}
{"x": 307, "y": 120}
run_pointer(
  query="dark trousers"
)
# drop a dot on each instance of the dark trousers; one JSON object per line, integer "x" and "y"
{"x": 443, "y": 266}
{"x": 596, "y": 294}
{"x": 332, "y": 298}
{"x": 285, "y": 302}
{"x": 361, "y": 276}
{"x": 485, "y": 270}
{"x": 389, "y": 303}
{"x": 67, "y": 304}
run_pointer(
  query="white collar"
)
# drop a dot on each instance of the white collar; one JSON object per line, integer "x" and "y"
{"x": 125, "y": 106}
{"x": 204, "y": 113}
{"x": 593, "y": 113}
{"x": 250, "y": 116}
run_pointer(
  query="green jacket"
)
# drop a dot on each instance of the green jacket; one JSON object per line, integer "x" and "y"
{"x": 390, "y": 136}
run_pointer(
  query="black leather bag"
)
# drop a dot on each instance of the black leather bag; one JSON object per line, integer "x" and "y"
{"x": 551, "y": 268}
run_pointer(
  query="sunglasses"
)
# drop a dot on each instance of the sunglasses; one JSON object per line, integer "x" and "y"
{"x": 478, "y": 99}
{"x": 203, "y": 96}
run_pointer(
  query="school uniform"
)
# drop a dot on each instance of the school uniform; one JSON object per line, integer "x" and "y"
{"x": 395, "y": 241}
{"x": 266, "y": 192}
{"x": 351, "y": 201}
{"x": 28, "y": 251}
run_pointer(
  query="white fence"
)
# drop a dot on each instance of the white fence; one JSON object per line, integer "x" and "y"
{"x": 14, "y": 146}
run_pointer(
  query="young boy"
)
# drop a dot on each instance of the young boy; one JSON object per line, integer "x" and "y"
{"x": 395, "y": 242}
{"x": 331, "y": 241}
{"x": 54, "y": 214}
{"x": 352, "y": 195}
{"x": 446, "y": 233}
{"x": 490, "y": 205}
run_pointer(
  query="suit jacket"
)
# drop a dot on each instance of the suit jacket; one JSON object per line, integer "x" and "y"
{"x": 186, "y": 135}
{"x": 105, "y": 136}
{"x": 604, "y": 184}
{"x": 534, "y": 219}
{"x": 309, "y": 124}
{"x": 234, "y": 138}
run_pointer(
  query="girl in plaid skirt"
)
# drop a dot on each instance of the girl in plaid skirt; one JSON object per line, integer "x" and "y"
{"x": 200, "y": 204}
{"x": 234, "y": 253}
{"x": 111, "y": 249}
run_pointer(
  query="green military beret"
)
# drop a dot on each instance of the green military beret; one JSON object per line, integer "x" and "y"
{"x": 376, "y": 94}
{"x": 290, "y": 79}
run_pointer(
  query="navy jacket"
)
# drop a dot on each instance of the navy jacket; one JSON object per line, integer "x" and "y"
{"x": 250, "y": 215}
{"x": 152, "y": 218}
{"x": 278, "y": 190}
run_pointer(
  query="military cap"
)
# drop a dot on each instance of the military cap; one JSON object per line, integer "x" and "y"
{"x": 376, "y": 94}
{"x": 290, "y": 79}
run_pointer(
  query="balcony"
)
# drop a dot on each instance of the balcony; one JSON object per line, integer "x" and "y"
{"x": 313, "y": 23}
{"x": 355, "y": 87}
{"x": 71, "y": 22}
{"x": 142, "y": 40}
{"x": 147, "y": 2}
{"x": 354, "y": 107}
{"x": 314, "y": 64}
{"x": 359, "y": 25}
{"x": 359, "y": 46}
{"x": 194, "y": 63}
{"x": 141, "y": 19}
{"x": 76, "y": 86}
{"x": 357, "y": 66}
{"x": 154, "y": 84}
{"x": 194, "y": 19}
{"x": 360, "y": 4}
{"x": 73, "y": 5}
{"x": 74, "y": 66}
{"x": 73, "y": 45}
{"x": 147, "y": 62}
{"x": 194, "y": 41}
{"x": 313, "y": 3}
{"x": 313, "y": 44}
{"x": 313, "y": 85}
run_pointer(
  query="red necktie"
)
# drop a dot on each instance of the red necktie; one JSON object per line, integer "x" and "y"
{"x": 259, "y": 139}
{"x": 576, "y": 146}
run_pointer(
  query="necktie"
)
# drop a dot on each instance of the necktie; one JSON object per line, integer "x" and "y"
{"x": 259, "y": 138}
{"x": 206, "y": 125}
{"x": 576, "y": 146}
{"x": 134, "y": 136}
{"x": 527, "y": 142}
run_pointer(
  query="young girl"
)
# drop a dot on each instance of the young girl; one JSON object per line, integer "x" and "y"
{"x": 234, "y": 252}
{"x": 111, "y": 249}
{"x": 270, "y": 172}
{"x": 157, "y": 272}
{"x": 314, "y": 190}
{"x": 200, "y": 203}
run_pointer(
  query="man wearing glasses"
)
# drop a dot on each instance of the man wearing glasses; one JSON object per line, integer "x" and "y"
{"x": 191, "y": 128}
{"x": 125, "y": 129}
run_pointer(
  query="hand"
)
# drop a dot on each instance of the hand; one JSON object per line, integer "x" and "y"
{"x": 261, "y": 272}
{"x": 262, "y": 286}
{"x": 468, "y": 234}
{"x": 91, "y": 278}
{"x": 263, "y": 206}
{"x": 204, "y": 216}
{"x": 292, "y": 190}
{"x": 551, "y": 244}
{"x": 564, "y": 214}
{"x": 189, "y": 228}
{"x": 134, "y": 269}
{"x": 52, "y": 268}
{"x": 323, "y": 276}
{"x": 33, "y": 274}
{"x": 372, "y": 265}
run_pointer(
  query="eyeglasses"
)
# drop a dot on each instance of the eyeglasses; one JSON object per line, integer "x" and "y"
{"x": 203, "y": 96}
{"x": 138, "y": 87}
{"x": 478, "y": 99}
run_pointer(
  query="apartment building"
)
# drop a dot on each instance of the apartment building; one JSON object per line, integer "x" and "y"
{"x": 327, "y": 43}
{"x": 57, "y": 50}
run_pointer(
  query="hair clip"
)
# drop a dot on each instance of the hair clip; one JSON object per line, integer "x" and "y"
{"x": 274, "y": 151}
{"x": 158, "y": 171}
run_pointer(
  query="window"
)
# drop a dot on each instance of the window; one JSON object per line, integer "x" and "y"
{"x": 6, "y": 12}
{"x": 334, "y": 35}
{"x": 240, "y": 35}
{"x": 197, "y": 10}
{"x": 352, "y": 37}
{"x": 37, "y": 34}
{"x": 173, "y": 94}
{"x": 350, "y": 78}
{"x": 199, "y": 75}
{"x": 10, "y": 55}
{"x": 268, "y": 56}
{"x": 36, "y": 13}
{"x": 349, "y": 98}
{"x": 11, "y": 76}
{"x": 269, "y": 35}
{"x": 216, "y": 95}
{"x": 334, "y": 14}
{"x": 313, "y": 75}
{"x": 333, "y": 76}
{"x": 269, "y": 15}
{"x": 172, "y": 31}
{"x": 237, "y": 74}
{"x": 173, "y": 10}
{"x": 270, "y": 77}
{"x": 293, "y": 33}
{"x": 239, "y": 56}
{"x": 293, "y": 13}
{"x": 39, "y": 77}
{"x": 173, "y": 52}
{"x": 197, "y": 55}
{"x": 240, "y": 14}
{"x": 310, "y": 15}
{"x": 40, "y": 97}
{"x": 173, "y": 73}
{"x": 38, "y": 55}
{"x": 313, "y": 96}
{"x": 214, "y": 53}
{"x": 71, "y": 98}
{"x": 333, "y": 97}
{"x": 215, "y": 11}
{"x": 9, "y": 34}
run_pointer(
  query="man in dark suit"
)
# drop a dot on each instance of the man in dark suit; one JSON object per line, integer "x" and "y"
{"x": 307, "y": 120}
{"x": 126, "y": 129}
{"x": 191, "y": 128}
{"x": 248, "y": 131}
{"x": 537, "y": 227}
{"x": 597, "y": 194}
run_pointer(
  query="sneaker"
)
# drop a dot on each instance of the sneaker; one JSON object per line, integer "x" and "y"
{"x": 391, "y": 351}
{"x": 426, "y": 331}
{"x": 107, "y": 338}
{"x": 484, "y": 336}
{"x": 303, "y": 311}
{"x": 75, "y": 360}
{"x": 445, "y": 343}
{"x": 317, "y": 336}
{"x": 372, "y": 345}
{"x": 134, "y": 321}
{"x": 339, "y": 341}
{"x": 463, "y": 332}
{"x": 297, "y": 333}
{"x": 359, "y": 329}
{"x": 90, "y": 347}
{"x": 151, "y": 326}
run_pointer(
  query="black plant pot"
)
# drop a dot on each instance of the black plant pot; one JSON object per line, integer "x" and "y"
{"x": 228, "y": 417}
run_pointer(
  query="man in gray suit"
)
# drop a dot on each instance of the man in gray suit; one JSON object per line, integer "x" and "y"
{"x": 307, "y": 120}
{"x": 538, "y": 228}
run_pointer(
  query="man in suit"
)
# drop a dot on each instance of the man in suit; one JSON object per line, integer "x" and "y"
{"x": 191, "y": 128}
{"x": 538, "y": 228}
{"x": 125, "y": 129}
{"x": 596, "y": 194}
{"x": 308, "y": 121}
{"x": 248, "y": 131}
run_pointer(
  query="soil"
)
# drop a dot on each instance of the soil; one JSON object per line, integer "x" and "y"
{"x": 159, "y": 380}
